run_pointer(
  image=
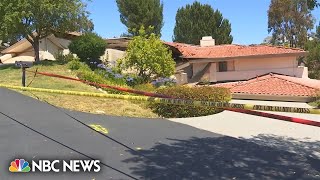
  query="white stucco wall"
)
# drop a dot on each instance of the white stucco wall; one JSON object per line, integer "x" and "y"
{"x": 197, "y": 67}
{"x": 265, "y": 63}
{"x": 246, "y": 68}
{"x": 48, "y": 50}
{"x": 112, "y": 55}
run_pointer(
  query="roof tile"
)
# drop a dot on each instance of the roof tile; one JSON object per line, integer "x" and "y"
{"x": 231, "y": 50}
{"x": 274, "y": 84}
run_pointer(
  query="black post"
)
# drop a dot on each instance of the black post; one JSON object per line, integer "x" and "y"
{"x": 23, "y": 76}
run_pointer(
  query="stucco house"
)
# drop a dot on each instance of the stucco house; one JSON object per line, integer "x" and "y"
{"x": 53, "y": 45}
{"x": 259, "y": 72}
{"x": 116, "y": 48}
{"x": 222, "y": 63}
{"x": 50, "y": 46}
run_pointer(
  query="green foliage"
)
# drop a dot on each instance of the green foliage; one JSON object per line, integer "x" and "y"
{"x": 111, "y": 76}
{"x": 65, "y": 58}
{"x": 318, "y": 100}
{"x": 145, "y": 87}
{"x": 85, "y": 73}
{"x": 149, "y": 57}
{"x": 313, "y": 58}
{"x": 204, "y": 93}
{"x": 88, "y": 47}
{"x": 74, "y": 64}
{"x": 133, "y": 80}
{"x": 137, "y": 13}
{"x": 312, "y": 4}
{"x": 198, "y": 20}
{"x": 290, "y": 20}
{"x": 37, "y": 19}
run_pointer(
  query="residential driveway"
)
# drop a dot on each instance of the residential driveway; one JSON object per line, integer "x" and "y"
{"x": 265, "y": 131}
{"x": 135, "y": 148}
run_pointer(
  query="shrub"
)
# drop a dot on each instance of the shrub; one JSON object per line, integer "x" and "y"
{"x": 145, "y": 87}
{"x": 317, "y": 102}
{"x": 111, "y": 76}
{"x": 89, "y": 47}
{"x": 91, "y": 76}
{"x": 133, "y": 80}
{"x": 164, "y": 82}
{"x": 65, "y": 58}
{"x": 74, "y": 64}
{"x": 204, "y": 93}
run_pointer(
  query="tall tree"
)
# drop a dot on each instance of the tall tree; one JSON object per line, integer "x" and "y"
{"x": 148, "y": 57}
{"x": 312, "y": 61}
{"x": 291, "y": 20}
{"x": 198, "y": 20}
{"x": 137, "y": 13}
{"x": 37, "y": 19}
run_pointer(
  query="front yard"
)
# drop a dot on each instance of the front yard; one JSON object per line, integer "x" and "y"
{"x": 12, "y": 76}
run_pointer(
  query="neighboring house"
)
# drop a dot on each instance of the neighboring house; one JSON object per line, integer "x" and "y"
{"x": 222, "y": 63}
{"x": 52, "y": 45}
{"x": 116, "y": 48}
{"x": 49, "y": 48}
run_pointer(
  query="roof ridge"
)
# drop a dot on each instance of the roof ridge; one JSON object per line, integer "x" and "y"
{"x": 282, "y": 47}
{"x": 279, "y": 77}
{"x": 242, "y": 83}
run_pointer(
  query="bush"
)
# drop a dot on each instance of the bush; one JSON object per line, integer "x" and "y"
{"x": 89, "y": 48}
{"x": 65, "y": 58}
{"x": 164, "y": 82}
{"x": 111, "y": 76}
{"x": 204, "y": 93}
{"x": 91, "y": 76}
{"x": 317, "y": 102}
{"x": 145, "y": 87}
{"x": 74, "y": 65}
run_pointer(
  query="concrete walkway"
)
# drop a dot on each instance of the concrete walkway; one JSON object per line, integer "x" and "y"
{"x": 264, "y": 131}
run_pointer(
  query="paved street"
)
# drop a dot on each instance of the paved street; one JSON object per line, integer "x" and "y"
{"x": 162, "y": 149}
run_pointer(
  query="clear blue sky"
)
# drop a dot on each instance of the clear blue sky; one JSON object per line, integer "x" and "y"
{"x": 248, "y": 18}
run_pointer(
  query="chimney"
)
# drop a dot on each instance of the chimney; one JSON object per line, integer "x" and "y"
{"x": 207, "y": 41}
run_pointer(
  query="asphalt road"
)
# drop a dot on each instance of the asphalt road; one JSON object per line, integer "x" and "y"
{"x": 135, "y": 147}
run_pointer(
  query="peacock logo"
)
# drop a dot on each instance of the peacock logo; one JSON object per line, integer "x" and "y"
{"x": 19, "y": 165}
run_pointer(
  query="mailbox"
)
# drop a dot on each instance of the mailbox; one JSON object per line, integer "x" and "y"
{"x": 23, "y": 64}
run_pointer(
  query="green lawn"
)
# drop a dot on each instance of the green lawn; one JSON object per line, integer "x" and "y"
{"x": 12, "y": 76}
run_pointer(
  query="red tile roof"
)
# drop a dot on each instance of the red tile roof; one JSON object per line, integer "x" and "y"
{"x": 231, "y": 50}
{"x": 275, "y": 84}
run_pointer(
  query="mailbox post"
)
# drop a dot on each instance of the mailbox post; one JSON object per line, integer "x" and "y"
{"x": 23, "y": 65}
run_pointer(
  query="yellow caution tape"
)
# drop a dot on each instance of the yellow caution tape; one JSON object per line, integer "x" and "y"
{"x": 174, "y": 101}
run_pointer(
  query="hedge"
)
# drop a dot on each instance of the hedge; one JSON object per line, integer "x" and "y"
{"x": 205, "y": 93}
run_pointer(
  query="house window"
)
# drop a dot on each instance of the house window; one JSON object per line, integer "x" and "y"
{"x": 223, "y": 66}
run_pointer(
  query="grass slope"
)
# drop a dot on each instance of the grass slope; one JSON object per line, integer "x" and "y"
{"x": 12, "y": 76}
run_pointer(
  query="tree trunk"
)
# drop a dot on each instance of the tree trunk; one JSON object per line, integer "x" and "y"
{"x": 36, "y": 48}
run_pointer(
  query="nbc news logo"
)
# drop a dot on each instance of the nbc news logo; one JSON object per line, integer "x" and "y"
{"x": 21, "y": 165}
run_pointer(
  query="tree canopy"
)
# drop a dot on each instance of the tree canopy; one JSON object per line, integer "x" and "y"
{"x": 37, "y": 19}
{"x": 198, "y": 20}
{"x": 88, "y": 47}
{"x": 290, "y": 21}
{"x": 312, "y": 61}
{"x": 137, "y": 13}
{"x": 148, "y": 56}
